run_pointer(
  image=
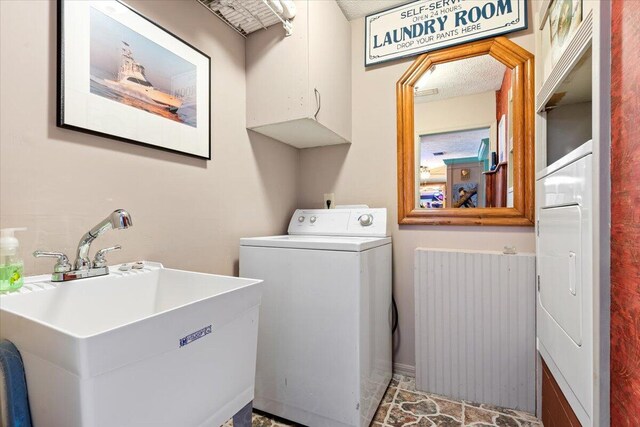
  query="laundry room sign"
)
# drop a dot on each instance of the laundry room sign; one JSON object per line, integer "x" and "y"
{"x": 426, "y": 25}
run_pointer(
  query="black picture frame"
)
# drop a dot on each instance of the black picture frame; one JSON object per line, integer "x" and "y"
{"x": 147, "y": 112}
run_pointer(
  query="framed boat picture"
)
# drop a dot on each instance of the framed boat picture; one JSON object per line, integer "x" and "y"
{"x": 121, "y": 76}
{"x": 565, "y": 17}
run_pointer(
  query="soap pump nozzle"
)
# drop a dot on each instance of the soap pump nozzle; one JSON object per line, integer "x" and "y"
{"x": 8, "y": 242}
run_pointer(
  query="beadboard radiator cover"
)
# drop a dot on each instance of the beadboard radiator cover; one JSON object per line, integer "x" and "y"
{"x": 475, "y": 326}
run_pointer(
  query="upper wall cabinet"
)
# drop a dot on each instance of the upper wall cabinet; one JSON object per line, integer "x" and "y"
{"x": 299, "y": 87}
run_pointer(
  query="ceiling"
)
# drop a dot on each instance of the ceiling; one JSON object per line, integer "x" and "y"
{"x": 455, "y": 145}
{"x": 460, "y": 78}
{"x": 353, "y": 9}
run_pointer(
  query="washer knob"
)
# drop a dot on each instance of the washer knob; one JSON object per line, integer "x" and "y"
{"x": 312, "y": 219}
{"x": 300, "y": 218}
{"x": 366, "y": 220}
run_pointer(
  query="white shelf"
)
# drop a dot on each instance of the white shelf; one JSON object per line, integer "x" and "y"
{"x": 577, "y": 86}
{"x": 570, "y": 58}
{"x": 247, "y": 16}
{"x": 575, "y": 155}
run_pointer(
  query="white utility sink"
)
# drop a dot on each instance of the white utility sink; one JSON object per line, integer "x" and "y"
{"x": 149, "y": 347}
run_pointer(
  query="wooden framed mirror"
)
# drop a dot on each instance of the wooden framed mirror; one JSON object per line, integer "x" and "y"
{"x": 466, "y": 136}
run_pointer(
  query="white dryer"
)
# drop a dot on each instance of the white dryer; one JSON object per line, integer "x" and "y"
{"x": 324, "y": 341}
{"x": 565, "y": 286}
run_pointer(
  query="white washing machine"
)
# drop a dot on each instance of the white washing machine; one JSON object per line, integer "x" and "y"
{"x": 324, "y": 340}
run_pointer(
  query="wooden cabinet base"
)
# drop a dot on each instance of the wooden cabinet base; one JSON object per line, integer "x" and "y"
{"x": 556, "y": 411}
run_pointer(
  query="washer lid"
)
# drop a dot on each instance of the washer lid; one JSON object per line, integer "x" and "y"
{"x": 327, "y": 243}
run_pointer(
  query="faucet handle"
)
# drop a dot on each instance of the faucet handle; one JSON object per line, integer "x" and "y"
{"x": 99, "y": 261}
{"x": 62, "y": 266}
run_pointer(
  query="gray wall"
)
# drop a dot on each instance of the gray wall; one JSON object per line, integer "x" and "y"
{"x": 568, "y": 127}
{"x": 187, "y": 213}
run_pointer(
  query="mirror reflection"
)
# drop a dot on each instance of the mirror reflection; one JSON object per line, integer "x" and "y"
{"x": 463, "y": 122}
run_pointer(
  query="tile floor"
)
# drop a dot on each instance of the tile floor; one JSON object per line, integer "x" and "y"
{"x": 403, "y": 406}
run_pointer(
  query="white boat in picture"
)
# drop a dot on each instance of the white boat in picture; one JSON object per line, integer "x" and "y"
{"x": 132, "y": 80}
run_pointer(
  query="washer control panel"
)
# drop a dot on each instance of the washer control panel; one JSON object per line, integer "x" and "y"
{"x": 364, "y": 222}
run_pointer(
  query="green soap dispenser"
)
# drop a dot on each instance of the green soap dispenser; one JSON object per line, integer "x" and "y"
{"x": 11, "y": 266}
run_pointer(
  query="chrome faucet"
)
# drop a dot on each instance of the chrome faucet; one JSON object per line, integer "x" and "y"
{"x": 62, "y": 271}
{"x": 118, "y": 219}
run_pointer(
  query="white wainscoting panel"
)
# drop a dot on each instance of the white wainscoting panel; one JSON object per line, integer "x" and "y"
{"x": 475, "y": 326}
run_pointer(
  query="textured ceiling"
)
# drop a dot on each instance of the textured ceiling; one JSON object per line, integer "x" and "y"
{"x": 464, "y": 77}
{"x": 455, "y": 145}
{"x": 353, "y": 9}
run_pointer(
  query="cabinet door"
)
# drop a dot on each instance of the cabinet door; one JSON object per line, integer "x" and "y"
{"x": 277, "y": 70}
{"x": 330, "y": 67}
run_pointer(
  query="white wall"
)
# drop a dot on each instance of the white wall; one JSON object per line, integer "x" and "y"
{"x": 187, "y": 213}
{"x": 365, "y": 172}
{"x": 461, "y": 112}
